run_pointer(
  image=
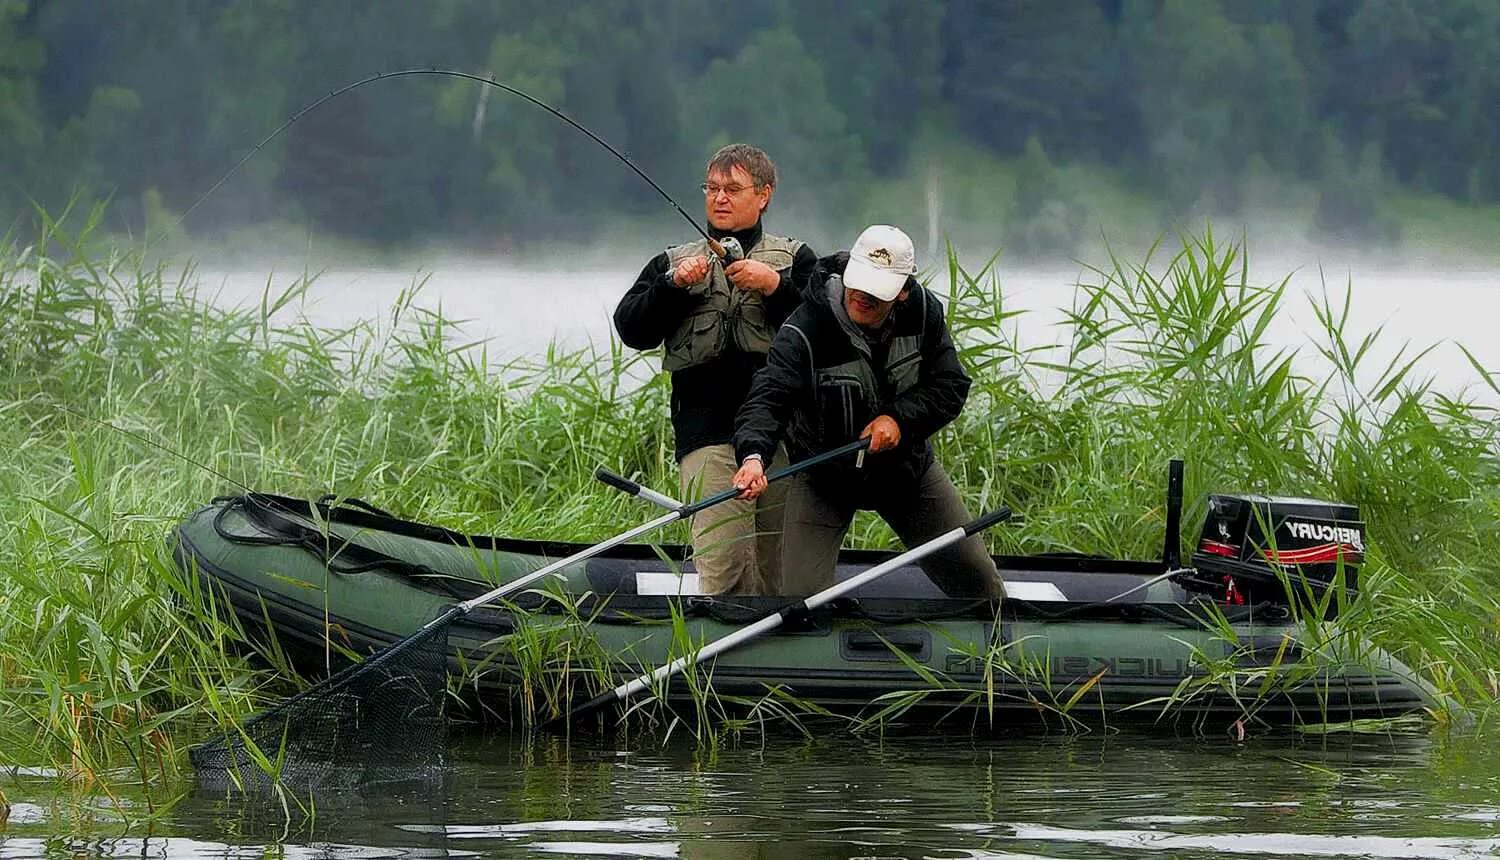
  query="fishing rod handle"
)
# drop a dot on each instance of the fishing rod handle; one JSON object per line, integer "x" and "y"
{"x": 817, "y": 460}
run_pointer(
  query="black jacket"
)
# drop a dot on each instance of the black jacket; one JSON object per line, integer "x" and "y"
{"x": 825, "y": 380}
{"x": 706, "y": 397}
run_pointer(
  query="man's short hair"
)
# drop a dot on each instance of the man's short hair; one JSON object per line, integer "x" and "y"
{"x": 749, "y": 158}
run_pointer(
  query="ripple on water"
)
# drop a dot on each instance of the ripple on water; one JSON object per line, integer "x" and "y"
{"x": 609, "y": 849}
{"x": 1273, "y": 844}
{"x": 523, "y": 828}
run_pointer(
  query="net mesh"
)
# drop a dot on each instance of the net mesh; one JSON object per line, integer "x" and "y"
{"x": 379, "y": 721}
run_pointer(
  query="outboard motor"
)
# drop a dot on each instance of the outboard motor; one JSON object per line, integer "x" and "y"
{"x": 1283, "y": 550}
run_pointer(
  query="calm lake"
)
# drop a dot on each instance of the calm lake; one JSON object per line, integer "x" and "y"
{"x": 1381, "y": 796}
{"x": 520, "y": 310}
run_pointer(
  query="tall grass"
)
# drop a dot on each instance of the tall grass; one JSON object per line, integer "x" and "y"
{"x": 109, "y": 663}
{"x": 1170, "y": 357}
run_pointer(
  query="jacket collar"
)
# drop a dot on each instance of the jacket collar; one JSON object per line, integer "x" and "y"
{"x": 748, "y": 238}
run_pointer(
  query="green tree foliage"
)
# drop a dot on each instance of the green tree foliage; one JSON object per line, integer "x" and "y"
{"x": 21, "y": 129}
{"x": 1045, "y": 217}
{"x": 1195, "y": 99}
{"x": 745, "y": 98}
{"x": 1349, "y": 196}
{"x": 1033, "y": 67}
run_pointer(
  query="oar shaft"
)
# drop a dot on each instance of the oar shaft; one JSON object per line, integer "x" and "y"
{"x": 680, "y": 512}
{"x": 712, "y": 649}
{"x": 856, "y": 445}
{"x": 640, "y": 491}
{"x": 775, "y": 619}
{"x": 829, "y": 594}
{"x": 517, "y": 584}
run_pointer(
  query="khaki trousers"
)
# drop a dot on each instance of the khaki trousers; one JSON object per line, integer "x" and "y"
{"x": 736, "y": 544}
{"x": 816, "y": 524}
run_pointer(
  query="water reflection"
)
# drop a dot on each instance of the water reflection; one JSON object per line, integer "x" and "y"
{"x": 1388, "y": 796}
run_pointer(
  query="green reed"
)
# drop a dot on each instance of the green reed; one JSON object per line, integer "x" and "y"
{"x": 110, "y": 662}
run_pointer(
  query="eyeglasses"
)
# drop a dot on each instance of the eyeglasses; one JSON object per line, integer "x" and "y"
{"x": 712, "y": 189}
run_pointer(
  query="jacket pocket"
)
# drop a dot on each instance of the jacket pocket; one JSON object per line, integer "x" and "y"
{"x": 700, "y": 338}
{"x": 904, "y": 373}
{"x": 752, "y": 331}
{"x": 841, "y": 402}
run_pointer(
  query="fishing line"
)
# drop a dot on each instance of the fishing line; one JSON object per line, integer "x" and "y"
{"x": 141, "y": 437}
{"x": 251, "y": 497}
{"x": 451, "y": 73}
{"x": 714, "y": 244}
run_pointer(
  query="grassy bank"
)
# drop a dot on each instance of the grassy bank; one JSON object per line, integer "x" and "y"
{"x": 108, "y": 665}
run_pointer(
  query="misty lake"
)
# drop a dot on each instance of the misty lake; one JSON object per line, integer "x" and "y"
{"x": 521, "y": 310}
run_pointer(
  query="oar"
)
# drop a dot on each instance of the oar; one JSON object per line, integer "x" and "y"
{"x": 382, "y": 718}
{"x": 679, "y": 512}
{"x": 770, "y": 622}
{"x": 620, "y": 482}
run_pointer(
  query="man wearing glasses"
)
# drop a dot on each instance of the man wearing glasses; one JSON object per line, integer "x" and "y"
{"x": 715, "y": 320}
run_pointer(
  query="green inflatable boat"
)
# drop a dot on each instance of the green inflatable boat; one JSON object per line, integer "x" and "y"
{"x": 1096, "y": 640}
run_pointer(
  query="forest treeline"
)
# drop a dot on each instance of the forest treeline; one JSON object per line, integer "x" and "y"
{"x": 147, "y": 103}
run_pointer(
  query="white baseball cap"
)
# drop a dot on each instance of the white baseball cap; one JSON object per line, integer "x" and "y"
{"x": 880, "y": 262}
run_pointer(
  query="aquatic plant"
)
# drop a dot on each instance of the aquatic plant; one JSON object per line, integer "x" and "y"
{"x": 110, "y": 662}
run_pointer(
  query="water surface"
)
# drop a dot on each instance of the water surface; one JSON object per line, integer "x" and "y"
{"x": 1384, "y": 796}
{"x": 520, "y": 311}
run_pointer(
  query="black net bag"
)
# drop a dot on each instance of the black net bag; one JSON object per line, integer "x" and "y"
{"x": 380, "y": 721}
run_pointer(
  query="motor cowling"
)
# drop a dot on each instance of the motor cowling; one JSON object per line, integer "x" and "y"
{"x": 1284, "y": 550}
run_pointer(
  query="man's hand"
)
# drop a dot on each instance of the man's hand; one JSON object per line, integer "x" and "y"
{"x": 753, "y": 275}
{"x": 883, "y": 432}
{"x": 751, "y": 478}
{"x": 690, "y": 271}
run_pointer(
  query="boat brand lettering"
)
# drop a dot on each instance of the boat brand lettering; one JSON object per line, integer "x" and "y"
{"x": 1325, "y": 532}
{"x": 1074, "y": 666}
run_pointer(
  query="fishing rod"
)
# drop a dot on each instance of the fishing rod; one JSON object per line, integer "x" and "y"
{"x": 724, "y": 249}
{"x": 727, "y": 249}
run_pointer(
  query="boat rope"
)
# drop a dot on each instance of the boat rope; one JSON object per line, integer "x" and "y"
{"x": 449, "y": 73}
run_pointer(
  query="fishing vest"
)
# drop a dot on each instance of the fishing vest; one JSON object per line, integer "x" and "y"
{"x": 850, "y": 394}
{"x": 724, "y": 315}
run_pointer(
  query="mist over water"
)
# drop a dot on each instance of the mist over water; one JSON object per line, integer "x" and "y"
{"x": 519, "y": 310}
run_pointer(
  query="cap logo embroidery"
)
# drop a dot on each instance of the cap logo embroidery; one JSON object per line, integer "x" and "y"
{"x": 881, "y": 256}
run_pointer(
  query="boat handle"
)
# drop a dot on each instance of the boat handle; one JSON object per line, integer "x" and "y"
{"x": 883, "y": 644}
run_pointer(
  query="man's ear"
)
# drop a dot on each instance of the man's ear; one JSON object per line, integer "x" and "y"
{"x": 765, "y": 202}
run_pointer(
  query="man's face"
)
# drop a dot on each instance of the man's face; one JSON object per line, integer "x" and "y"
{"x": 732, "y": 202}
{"x": 865, "y": 310}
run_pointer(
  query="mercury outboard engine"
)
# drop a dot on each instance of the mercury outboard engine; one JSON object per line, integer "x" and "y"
{"x": 1271, "y": 548}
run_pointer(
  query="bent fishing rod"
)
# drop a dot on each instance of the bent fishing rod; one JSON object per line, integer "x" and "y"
{"x": 718, "y": 247}
{"x": 725, "y": 250}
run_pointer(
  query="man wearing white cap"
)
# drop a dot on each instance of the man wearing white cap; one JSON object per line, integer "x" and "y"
{"x": 868, "y": 354}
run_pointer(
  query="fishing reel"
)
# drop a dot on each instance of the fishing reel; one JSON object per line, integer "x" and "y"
{"x": 732, "y": 250}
